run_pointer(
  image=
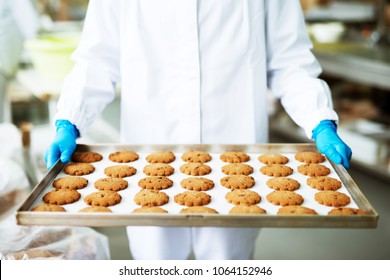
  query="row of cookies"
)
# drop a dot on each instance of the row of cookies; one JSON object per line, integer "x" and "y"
{"x": 196, "y": 159}
{"x": 126, "y": 156}
{"x": 189, "y": 169}
{"x": 144, "y": 198}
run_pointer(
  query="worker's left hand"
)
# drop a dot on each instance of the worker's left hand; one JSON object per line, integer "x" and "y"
{"x": 330, "y": 144}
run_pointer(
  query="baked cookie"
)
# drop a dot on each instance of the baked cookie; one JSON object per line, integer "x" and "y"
{"x": 283, "y": 184}
{"x": 155, "y": 183}
{"x": 243, "y": 197}
{"x": 332, "y": 198}
{"x": 70, "y": 182}
{"x": 192, "y": 198}
{"x": 62, "y": 196}
{"x": 197, "y": 184}
{"x": 103, "y": 198}
{"x": 111, "y": 184}
{"x": 247, "y": 209}
{"x": 120, "y": 171}
{"x": 284, "y": 198}
{"x": 323, "y": 183}
{"x": 346, "y": 211}
{"x": 87, "y": 157}
{"x": 313, "y": 169}
{"x": 196, "y": 156}
{"x": 48, "y": 208}
{"x": 123, "y": 156}
{"x": 151, "y": 198}
{"x": 296, "y": 210}
{"x": 234, "y": 157}
{"x": 152, "y": 209}
{"x": 195, "y": 169}
{"x": 309, "y": 157}
{"x": 198, "y": 210}
{"x": 79, "y": 168}
{"x": 161, "y": 157}
{"x": 277, "y": 170}
{"x": 237, "y": 169}
{"x": 273, "y": 159}
{"x": 158, "y": 169}
{"x": 238, "y": 182}
{"x": 96, "y": 209}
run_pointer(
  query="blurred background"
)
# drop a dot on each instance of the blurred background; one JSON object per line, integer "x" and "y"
{"x": 351, "y": 40}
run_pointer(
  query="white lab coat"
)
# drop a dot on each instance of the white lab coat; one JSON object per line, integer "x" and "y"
{"x": 194, "y": 71}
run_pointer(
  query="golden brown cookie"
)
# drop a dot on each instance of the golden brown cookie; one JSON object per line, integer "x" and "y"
{"x": 238, "y": 182}
{"x": 273, "y": 159}
{"x": 323, "y": 183}
{"x": 277, "y": 170}
{"x": 111, "y": 184}
{"x": 284, "y": 198}
{"x": 283, "y": 184}
{"x": 49, "y": 208}
{"x": 296, "y": 210}
{"x": 123, "y": 156}
{"x": 198, "y": 210}
{"x": 247, "y": 209}
{"x": 155, "y": 183}
{"x": 158, "y": 169}
{"x": 151, "y": 198}
{"x": 152, "y": 209}
{"x": 120, "y": 171}
{"x": 103, "y": 198}
{"x": 237, "y": 169}
{"x": 196, "y": 156}
{"x": 346, "y": 211}
{"x": 192, "y": 198}
{"x": 234, "y": 157}
{"x": 313, "y": 169}
{"x": 243, "y": 197}
{"x": 62, "y": 196}
{"x": 195, "y": 169}
{"x": 309, "y": 157}
{"x": 197, "y": 184}
{"x": 87, "y": 157}
{"x": 79, "y": 168}
{"x": 70, "y": 182}
{"x": 332, "y": 198}
{"x": 96, "y": 209}
{"x": 161, "y": 157}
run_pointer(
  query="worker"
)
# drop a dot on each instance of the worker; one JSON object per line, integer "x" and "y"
{"x": 195, "y": 71}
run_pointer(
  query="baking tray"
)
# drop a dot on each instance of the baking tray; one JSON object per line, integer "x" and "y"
{"x": 122, "y": 216}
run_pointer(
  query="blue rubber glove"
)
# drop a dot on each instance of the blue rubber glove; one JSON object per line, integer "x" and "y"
{"x": 330, "y": 144}
{"x": 64, "y": 143}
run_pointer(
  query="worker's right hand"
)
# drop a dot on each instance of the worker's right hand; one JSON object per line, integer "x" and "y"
{"x": 64, "y": 143}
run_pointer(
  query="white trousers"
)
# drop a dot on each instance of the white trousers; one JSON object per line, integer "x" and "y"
{"x": 177, "y": 243}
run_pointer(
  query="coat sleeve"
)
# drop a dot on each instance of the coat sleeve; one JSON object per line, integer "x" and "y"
{"x": 90, "y": 86}
{"x": 292, "y": 69}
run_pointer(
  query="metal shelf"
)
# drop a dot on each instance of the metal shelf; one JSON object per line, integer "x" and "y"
{"x": 355, "y": 62}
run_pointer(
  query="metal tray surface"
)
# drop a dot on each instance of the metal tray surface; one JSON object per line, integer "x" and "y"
{"x": 122, "y": 213}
